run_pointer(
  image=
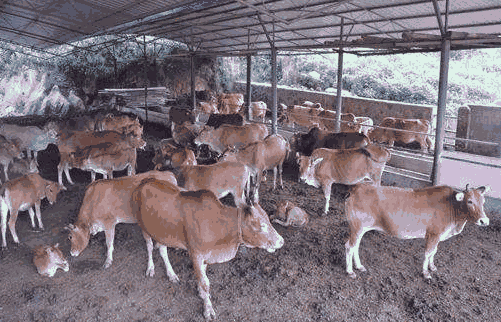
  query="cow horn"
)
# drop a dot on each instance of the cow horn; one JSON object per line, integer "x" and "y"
{"x": 467, "y": 186}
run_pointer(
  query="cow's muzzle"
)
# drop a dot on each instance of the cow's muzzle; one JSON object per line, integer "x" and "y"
{"x": 484, "y": 221}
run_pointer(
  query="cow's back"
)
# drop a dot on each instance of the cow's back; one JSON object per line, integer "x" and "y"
{"x": 232, "y": 135}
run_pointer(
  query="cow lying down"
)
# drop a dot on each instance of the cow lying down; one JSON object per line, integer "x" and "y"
{"x": 48, "y": 259}
{"x": 198, "y": 222}
{"x": 289, "y": 214}
{"x": 434, "y": 213}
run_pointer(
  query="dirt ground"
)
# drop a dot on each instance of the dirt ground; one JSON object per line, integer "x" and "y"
{"x": 305, "y": 280}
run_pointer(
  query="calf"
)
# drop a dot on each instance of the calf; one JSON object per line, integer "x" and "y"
{"x": 434, "y": 213}
{"x": 230, "y": 103}
{"x": 288, "y": 214}
{"x": 199, "y": 223}
{"x": 9, "y": 152}
{"x": 106, "y": 203}
{"x": 21, "y": 194}
{"x": 317, "y": 138}
{"x": 302, "y": 116}
{"x": 231, "y": 135}
{"x": 328, "y": 121}
{"x": 257, "y": 110}
{"x": 395, "y": 130}
{"x": 216, "y": 120}
{"x": 350, "y": 166}
{"x": 121, "y": 124}
{"x": 175, "y": 158}
{"x": 48, "y": 259}
{"x": 75, "y": 142}
{"x": 104, "y": 159}
{"x": 261, "y": 156}
{"x": 221, "y": 178}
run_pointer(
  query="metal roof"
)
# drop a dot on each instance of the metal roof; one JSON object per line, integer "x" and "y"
{"x": 237, "y": 27}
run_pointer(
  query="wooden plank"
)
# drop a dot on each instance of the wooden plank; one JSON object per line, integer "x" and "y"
{"x": 411, "y": 161}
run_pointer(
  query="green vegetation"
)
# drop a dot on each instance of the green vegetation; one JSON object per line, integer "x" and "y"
{"x": 411, "y": 78}
{"x": 109, "y": 61}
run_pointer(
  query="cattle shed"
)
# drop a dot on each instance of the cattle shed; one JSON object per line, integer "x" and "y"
{"x": 250, "y": 27}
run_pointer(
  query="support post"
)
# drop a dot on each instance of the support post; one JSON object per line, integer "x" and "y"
{"x": 274, "y": 128}
{"x": 248, "y": 88}
{"x": 145, "y": 80}
{"x": 192, "y": 82}
{"x": 339, "y": 97}
{"x": 442, "y": 96}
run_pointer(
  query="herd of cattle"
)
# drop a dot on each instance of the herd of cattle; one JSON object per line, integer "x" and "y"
{"x": 181, "y": 208}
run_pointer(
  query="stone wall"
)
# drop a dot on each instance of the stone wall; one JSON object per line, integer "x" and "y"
{"x": 375, "y": 109}
{"x": 483, "y": 123}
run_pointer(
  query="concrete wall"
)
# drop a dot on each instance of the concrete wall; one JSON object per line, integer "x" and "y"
{"x": 483, "y": 123}
{"x": 375, "y": 109}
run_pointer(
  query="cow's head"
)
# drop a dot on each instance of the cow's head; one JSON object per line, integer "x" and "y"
{"x": 205, "y": 136}
{"x": 51, "y": 191}
{"x": 472, "y": 203}
{"x": 257, "y": 231}
{"x": 79, "y": 239}
{"x": 230, "y": 154}
{"x": 136, "y": 141}
{"x": 307, "y": 169}
{"x": 57, "y": 258}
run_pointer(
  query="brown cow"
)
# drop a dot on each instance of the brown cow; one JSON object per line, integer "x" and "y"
{"x": 73, "y": 142}
{"x": 121, "y": 124}
{"x": 104, "y": 158}
{"x": 434, "y": 213}
{"x": 170, "y": 154}
{"x": 257, "y": 110}
{"x": 302, "y": 116}
{"x": 327, "y": 121}
{"x": 230, "y": 103}
{"x": 349, "y": 166}
{"x": 395, "y": 134}
{"x": 288, "y": 214}
{"x": 22, "y": 194}
{"x": 261, "y": 156}
{"x": 9, "y": 152}
{"x": 107, "y": 203}
{"x": 48, "y": 259}
{"x": 231, "y": 135}
{"x": 199, "y": 223}
{"x": 221, "y": 178}
{"x": 184, "y": 133}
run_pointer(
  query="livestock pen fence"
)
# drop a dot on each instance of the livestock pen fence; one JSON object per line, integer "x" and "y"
{"x": 459, "y": 164}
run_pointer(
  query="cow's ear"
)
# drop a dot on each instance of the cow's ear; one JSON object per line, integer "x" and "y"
{"x": 459, "y": 196}
{"x": 484, "y": 189}
{"x": 316, "y": 161}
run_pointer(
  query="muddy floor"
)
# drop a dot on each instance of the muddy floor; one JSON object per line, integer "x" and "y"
{"x": 303, "y": 281}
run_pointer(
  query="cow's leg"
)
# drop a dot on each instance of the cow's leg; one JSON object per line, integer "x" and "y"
{"x": 275, "y": 170}
{"x": 92, "y": 176}
{"x": 39, "y": 215}
{"x": 280, "y": 170}
{"x": 170, "y": 272}
{"x": 32, "y": 217}
{"x": 352, "y": 256}
{"x": 5, "y": 167}
{"x": 67, "y": 172}
{"x": 431, "y": 250}
{"x": 35, "y": 156}
{"x": 257, "y": 184}
{"x": 326, "y": 187}
{"x": 150, "y": 270}
{"x": 4, "y": 209}
{"x": 203, "y": 286}
{"x": 12, "y": 224}
{"x": 110, "y": 237}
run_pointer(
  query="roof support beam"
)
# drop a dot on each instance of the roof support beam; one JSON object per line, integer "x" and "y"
{"x": 441, "y": 25}
{"x": 442, "y": 97}
{"x": 263, "y": 11}
{"x": 339, "y": 85}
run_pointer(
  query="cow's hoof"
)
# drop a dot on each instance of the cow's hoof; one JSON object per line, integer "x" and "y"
{"x": 352, "y": 275}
